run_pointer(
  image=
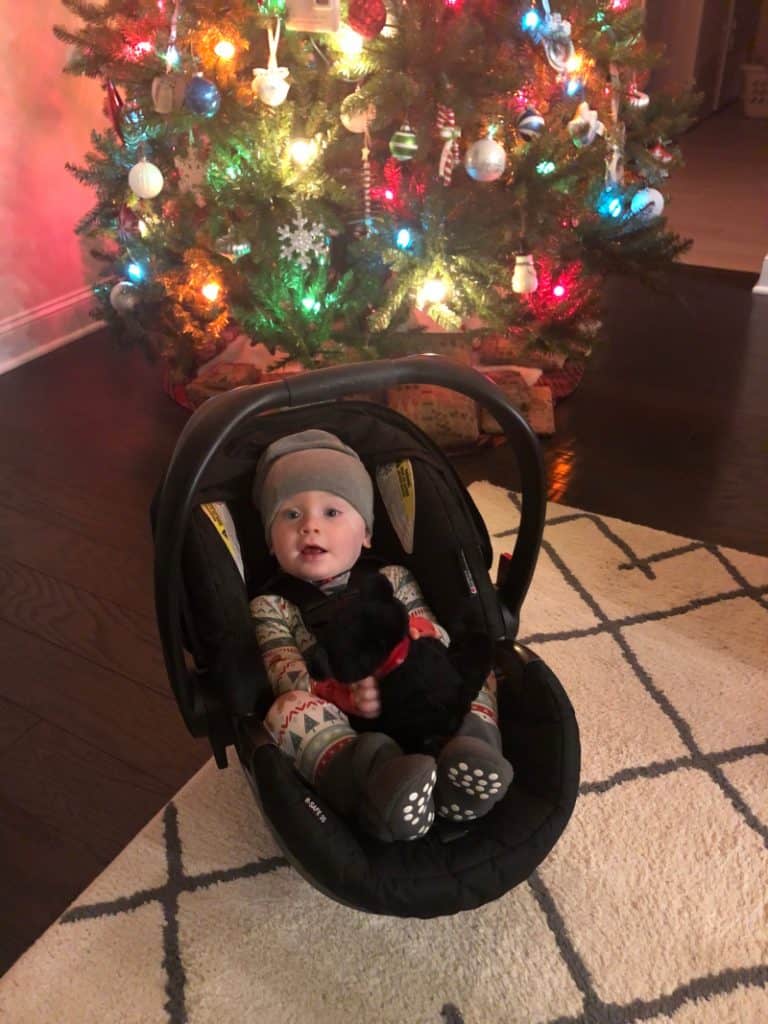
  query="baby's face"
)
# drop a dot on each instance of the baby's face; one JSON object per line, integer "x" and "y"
{"x": 316, "y": 535}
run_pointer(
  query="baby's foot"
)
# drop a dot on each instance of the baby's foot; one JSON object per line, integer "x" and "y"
{"x": 397, "y": 798}
{"x": 472, "y": 776}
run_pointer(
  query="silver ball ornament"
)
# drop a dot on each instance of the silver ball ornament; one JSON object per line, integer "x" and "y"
{"x": 123, "y": 297}
{"x": 357, "y": 121}
{"x": 647, "y": 204}
{"x": 232, "y": 246}
{"x": 485, "y": 160}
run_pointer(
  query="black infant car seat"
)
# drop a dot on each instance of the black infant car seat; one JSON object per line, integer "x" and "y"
{"x": 211, "y": 559}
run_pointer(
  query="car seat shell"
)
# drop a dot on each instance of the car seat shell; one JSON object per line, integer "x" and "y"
{"x": 453, "y": 868}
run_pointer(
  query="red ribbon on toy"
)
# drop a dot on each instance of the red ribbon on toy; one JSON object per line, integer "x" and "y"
{"x": 336, "y": 693}
{"x": 394, "y": 659}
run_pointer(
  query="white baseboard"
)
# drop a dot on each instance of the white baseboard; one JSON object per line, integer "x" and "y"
{"x": 34, "y": 332}
{"x": 761, "y": 288}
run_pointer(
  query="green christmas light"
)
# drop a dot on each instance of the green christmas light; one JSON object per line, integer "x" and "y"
{"x": 274, "y": 8}
{"x": 545, "y": 167}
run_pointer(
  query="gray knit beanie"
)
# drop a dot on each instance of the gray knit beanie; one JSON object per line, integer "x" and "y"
{"x": 312, "y": 460}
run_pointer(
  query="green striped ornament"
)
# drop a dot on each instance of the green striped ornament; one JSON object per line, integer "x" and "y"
{"x": 403, "y": 144}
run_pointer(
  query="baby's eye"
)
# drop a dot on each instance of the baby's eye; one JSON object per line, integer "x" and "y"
{"x": 291, "y": 513}
{"x": 333, "y": 512}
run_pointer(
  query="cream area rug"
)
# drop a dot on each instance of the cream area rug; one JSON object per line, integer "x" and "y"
{"x": 652, "y": 906}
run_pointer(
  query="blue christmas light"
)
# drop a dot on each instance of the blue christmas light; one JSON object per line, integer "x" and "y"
{"x": 545, "y": 167}
{"x": 531, "y": 20}
{"x": 574, "y": 86}
{"x": 135, "y": 271}
{"x": 403, "y": 239}
{"x": 610, "y": 203}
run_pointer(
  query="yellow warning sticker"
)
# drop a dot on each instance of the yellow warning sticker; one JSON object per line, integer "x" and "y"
{"x": 397, "y": 487}
{"x": 219, "y": 515}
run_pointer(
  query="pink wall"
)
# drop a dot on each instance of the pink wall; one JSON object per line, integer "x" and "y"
{"x": 45, "y": 119}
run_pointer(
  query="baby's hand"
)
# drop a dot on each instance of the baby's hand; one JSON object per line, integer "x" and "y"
{"x": 419, "y": 626}
{"x": 365, "y": 694}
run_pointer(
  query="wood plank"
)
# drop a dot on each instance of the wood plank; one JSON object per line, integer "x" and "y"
{"x": 42, "y": 871}
{"x": 92, "y": 412}
{"x": 105, "y": 710}
{"x": 84, "y": 794}
{"x": 15, "y": 720}
{"x": 55, "y": 498}
{"x": 96, "y": 629}
{"x": 105, "y": 570}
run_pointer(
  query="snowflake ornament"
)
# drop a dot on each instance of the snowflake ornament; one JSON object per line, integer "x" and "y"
{"x": 302, "y": 241}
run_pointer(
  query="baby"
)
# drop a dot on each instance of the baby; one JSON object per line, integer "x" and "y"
{"x": 316, "y": 503}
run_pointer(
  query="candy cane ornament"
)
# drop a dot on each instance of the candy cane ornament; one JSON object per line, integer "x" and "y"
{"x": 449, "y": 155}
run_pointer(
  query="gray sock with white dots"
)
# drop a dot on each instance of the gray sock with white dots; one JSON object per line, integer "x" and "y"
{"x": 472, "y": 773}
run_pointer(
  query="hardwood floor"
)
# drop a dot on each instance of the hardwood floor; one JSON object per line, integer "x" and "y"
{"x": 670, "y": 425}
{"x": 669, "y": 428}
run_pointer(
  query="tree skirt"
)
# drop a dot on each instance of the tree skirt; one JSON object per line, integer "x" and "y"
{"x": 651, "y": 907}
{"x": 563, "y": 380}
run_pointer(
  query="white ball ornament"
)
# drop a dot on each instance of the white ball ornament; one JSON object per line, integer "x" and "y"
{"x": 145, "y": 179}
{"x": 647, "y": 204}
{"x": 123, "y": 297}
{"x": 485, "y": 160}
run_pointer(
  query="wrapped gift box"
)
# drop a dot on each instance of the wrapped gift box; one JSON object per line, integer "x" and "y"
{"x": 446, "y": 416}
{"x": 503, "y": 348}
{"x": 223, "y": 377}
{"x": 533, "y": 401}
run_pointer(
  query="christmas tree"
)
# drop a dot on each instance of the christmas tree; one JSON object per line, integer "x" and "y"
{"x": 335, "y": 178}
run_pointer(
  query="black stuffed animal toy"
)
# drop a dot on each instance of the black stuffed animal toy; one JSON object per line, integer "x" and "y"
{"x": 425, "y": 688}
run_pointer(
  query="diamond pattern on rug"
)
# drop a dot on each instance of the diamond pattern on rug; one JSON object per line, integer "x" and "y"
{"x": 621, "y": 725}
{"x": 639, "y": 842}
{"x": 708, "y": 642}
{"x": 650, "y": 908}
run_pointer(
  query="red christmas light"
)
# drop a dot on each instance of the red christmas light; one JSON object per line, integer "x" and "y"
{"x": 521, "y": 99}
{"x": 561, "y": 293}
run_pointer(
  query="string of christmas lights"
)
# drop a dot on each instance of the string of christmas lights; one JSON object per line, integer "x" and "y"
{"x": 227, "y": 117}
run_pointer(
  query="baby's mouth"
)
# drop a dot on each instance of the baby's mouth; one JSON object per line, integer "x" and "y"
{"x": 312, "y": 549}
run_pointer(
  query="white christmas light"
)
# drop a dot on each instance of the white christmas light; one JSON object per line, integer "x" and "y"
{"x": 225, "y": 49}
{"x": 303, "y": 151}
{"x": 432, "y": 291}
{"x": 349, "y": 42}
